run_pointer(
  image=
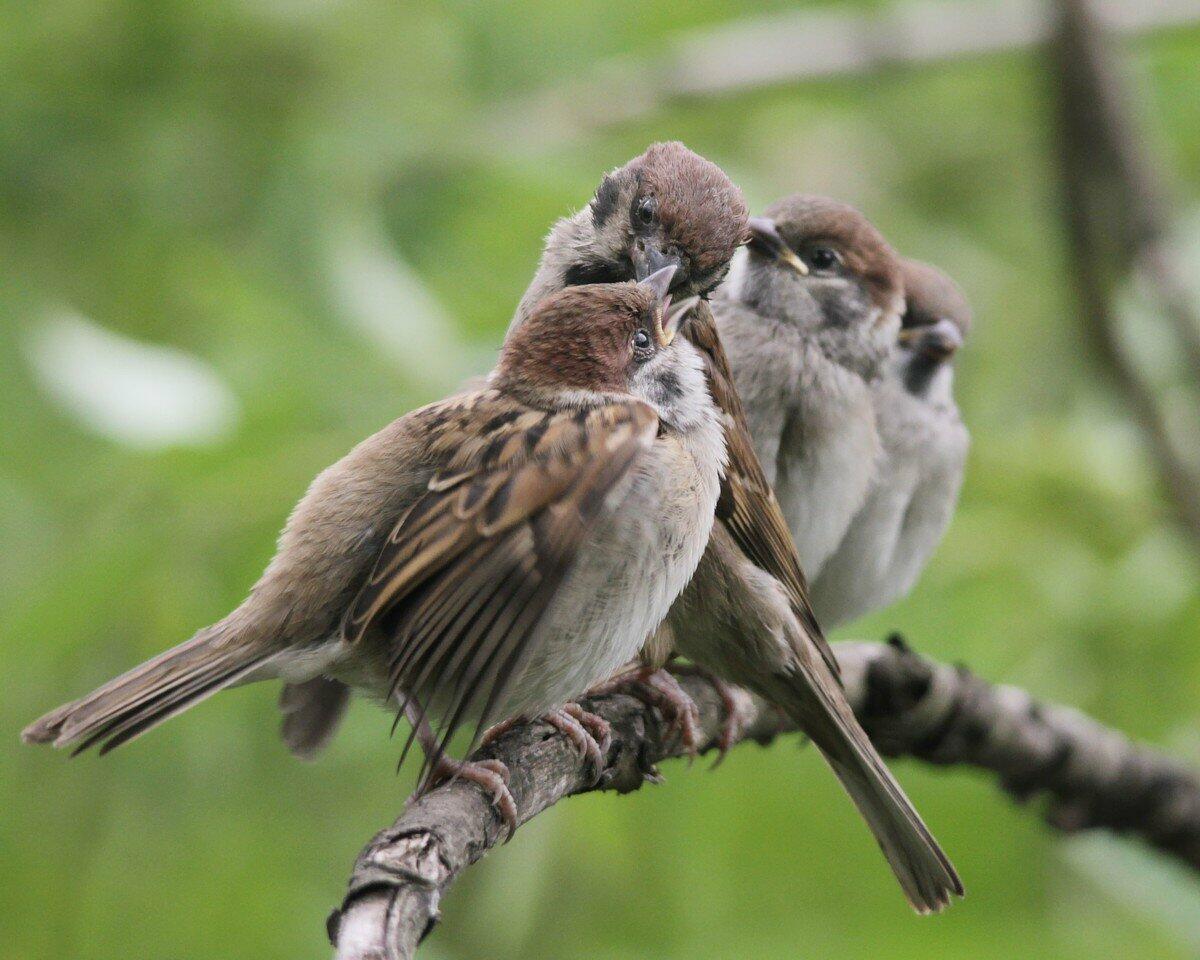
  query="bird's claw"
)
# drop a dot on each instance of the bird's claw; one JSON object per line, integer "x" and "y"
{"x": 489, "y": 775}
{"x": 731, "y": 725}
{"x": 590, "y": 734}
{"x": 658, "y": 688}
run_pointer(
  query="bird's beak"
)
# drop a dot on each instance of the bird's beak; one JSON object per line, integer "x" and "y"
{"x": 659, "y": 282}
{"x": 939, "y": 341}
{"x": 765, "y": 239}
{"x": 674, "y": 316}
{"x": 668, "y": 316}
{"x": 649, "y": 258}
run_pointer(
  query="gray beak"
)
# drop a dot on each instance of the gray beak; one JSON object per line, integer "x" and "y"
{"x": 765, "y": 239}
{"x": 648, "y": 259}
{"x": 659, "y": 281}
{"x": 938, "y": 341}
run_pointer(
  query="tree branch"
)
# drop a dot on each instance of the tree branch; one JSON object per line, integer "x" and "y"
{"x": 800, "y": 46}
{"x": 1089, "y": 775}
{"x": 1114, "y": 201}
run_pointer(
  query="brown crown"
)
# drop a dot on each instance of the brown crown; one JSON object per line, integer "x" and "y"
{"x": 932, "y": 296}
{"x": 702, "y": 210}
{"x": 579, "y": 338}
{"x": 804, "y": 219}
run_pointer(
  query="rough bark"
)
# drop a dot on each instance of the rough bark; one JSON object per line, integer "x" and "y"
{"x": 1086, "y": 775}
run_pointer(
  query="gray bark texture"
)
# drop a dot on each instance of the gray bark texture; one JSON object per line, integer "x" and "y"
{"x": 1085, "y": 775}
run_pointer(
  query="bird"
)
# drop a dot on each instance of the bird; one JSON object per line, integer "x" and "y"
{"x": 486, "y": 557}
{"x": 745, "y": 618}
{"x": 810, "y": 314}
{"x": 925, "y": 443}
{"x": 667, "y": 206}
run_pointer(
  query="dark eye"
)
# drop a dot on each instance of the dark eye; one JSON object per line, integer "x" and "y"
{"x": 823, "y": 258}
{"x": 641, "y": 340}
{"x": 646, "y": 209}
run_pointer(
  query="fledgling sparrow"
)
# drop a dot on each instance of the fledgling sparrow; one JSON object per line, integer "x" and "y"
{"x": 809, "y": 317}
{"x": 925, "y": 446}
{"x": 745, "y": 617}
{"x": 486, "y": 557}
{"x": 665, "y": 207}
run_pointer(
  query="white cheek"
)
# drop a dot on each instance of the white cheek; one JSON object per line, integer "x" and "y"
{"x": 736, "y": 277}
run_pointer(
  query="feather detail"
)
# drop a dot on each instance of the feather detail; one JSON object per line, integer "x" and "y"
{"x": 469, "y": 571}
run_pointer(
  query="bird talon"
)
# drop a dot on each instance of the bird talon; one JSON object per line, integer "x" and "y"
{"x": 589, "y": 734}
{"x": 679, "y": 710}
{"x": 596, "y": 725}
{"x": 497, "y": 730}
{"x": 490, "y": 775}
{"x": 659, "y": 689}
{"x": 731, "y": 724}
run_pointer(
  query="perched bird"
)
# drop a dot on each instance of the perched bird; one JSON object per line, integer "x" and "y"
{"x": 925, "y": 445}
{"x": 745, "y": 617}
{"x": 665, "y": 207}
{"x": 810, "y": 317}
{"x": 487, "y": 557}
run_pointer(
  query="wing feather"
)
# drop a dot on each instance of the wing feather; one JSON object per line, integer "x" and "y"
{"x": 747, "y": 505}
{"x": 469, "y": 571}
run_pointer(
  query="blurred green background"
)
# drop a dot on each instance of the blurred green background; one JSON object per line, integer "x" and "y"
{"x": 237, "y": 236}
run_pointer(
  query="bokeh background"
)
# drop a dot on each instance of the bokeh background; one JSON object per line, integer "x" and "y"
{"x": 237, "y": 236}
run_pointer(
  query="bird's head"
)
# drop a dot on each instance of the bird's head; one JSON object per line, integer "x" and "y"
{"x": 936, "y": 319}
{"x": 812, "y": 251}
{"x": 665, "y": 207}
{"x": 591, "y": 341}
{"x": 931, "y": 296}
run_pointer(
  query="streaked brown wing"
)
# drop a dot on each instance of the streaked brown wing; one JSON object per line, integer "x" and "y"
{"x": 466, "y": 575}
{"x": 747, "y": 506}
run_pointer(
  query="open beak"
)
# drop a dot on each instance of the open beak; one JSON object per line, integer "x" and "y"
{"x": 670, "y": 315}
{"x": 660, "y": 282}
{"x": 674, "y": 316}
{"x": 765, "y": 239}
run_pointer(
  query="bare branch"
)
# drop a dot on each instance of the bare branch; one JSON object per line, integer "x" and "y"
{"x": 1089, "y": 775}
{"x": 1114, "y": 202}
{"x": 799, "y": 46}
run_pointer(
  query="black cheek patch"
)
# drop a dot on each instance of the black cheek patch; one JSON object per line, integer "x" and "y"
{"x": 668, "y": 382}
{"x": 604, "y": 204}
{"x": 596, "y": 271}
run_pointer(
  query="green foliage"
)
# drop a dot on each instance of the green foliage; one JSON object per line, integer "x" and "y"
{"x": 194, "y": 174}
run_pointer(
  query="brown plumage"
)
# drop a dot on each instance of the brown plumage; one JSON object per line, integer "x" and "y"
{"x": 746, "y": 616}
{"x": 722, "y": 624}
{"x": 702, "y": 212}
{"x": 748, "y": 508}
{"x": 808, "y": 220}
{"x": 931, "y": 296}
{"x": 485, "y": 557}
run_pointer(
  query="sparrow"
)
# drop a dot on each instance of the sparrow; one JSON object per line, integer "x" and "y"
{"x": 915, "y": 489}
{"x": 667, "y": 207}
{"x": 810, "y": 316}
{"x": 484, "y": 558}
{"x": 745, "y": 617}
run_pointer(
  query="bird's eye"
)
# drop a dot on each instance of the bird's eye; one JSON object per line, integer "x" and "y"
{"x": 646, "y": 209}
{"x": 823, "y": 258}
{"x": 641, "y": 340}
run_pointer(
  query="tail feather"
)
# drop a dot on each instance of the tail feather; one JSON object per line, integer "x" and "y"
{"x": 925, "y": 873}
{"x": 138, "y": 701}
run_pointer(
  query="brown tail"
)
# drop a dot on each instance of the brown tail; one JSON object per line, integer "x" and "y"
{"x": 147, "y": 695}
{"x": 924, "y": 871}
